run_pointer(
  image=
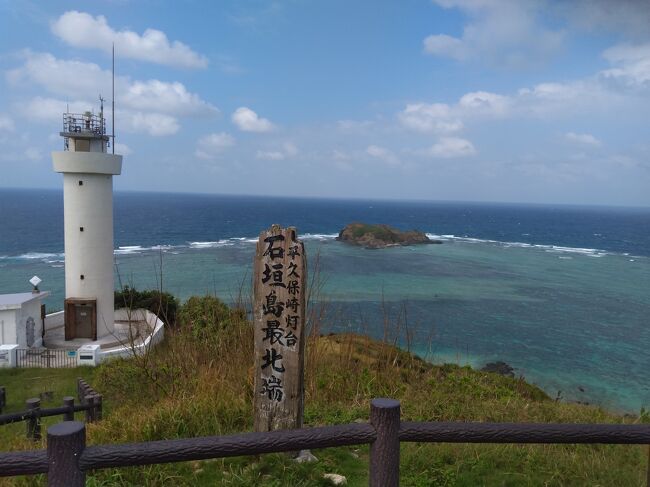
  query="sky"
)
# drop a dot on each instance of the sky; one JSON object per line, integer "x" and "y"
{"x": 466, "y": 100}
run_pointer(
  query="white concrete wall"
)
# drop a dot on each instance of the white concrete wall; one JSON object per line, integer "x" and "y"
{"x": 20, "y": 328}
{"x": 13, "y": 324}
{"x": 8, "y": 326}
{"x": 86, "y": 162}
{"x": 126, "y": 314}
{"x": 32, "y": 310}
{"x": 54, "y": 320}
{"x": 156, "y": 326}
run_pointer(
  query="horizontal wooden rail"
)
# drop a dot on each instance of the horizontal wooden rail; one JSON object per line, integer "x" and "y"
{"x": 67, "y": 458}
{"x": 42, "y": 413}
{"x": 563, "y": 433}
{"x": 23, "y": 463}
{"x": 166, "y": 451}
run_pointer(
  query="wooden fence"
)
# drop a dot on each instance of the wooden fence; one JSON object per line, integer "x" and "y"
{"x": 90, "y": 402}
{"x": 67, "y": 459}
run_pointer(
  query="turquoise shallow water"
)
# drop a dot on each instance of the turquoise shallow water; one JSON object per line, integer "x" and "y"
{"x": 565, "y": 320}
{"x": 523, "y": 284}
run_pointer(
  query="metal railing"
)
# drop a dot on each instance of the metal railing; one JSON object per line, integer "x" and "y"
{"x": 46, "y": 357}
{"x": 84, "y": 122}
{"x": 67, "y": 459}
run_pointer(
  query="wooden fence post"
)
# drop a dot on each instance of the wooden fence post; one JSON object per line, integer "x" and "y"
{"x": 34, "y": 421}
{"x": 3, "y": 398}
{"x": 68, "y": 402}
{"x": 384, "y": 452}
{"x": 90, "y": 412}
{"x": 65, "y": 444}
{"x": 81, "y": 389}
{"x": 98, "y": 407}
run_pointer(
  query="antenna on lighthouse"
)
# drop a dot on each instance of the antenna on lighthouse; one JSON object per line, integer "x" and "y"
{"x": 113, "y": 98}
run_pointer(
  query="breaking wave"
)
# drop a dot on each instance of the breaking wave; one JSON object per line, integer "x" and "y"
{"x": 546, "y": 248}
{"x": 56, "y": 259}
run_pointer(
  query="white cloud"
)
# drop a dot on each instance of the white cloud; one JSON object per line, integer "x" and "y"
{"x": 506, "y": 33}
{"x": 212, "y": 145}
{"x": 270, "y": 155}
{"x": 567, "y": 98}
{"x": 444, "y": 45}
{"x": 155, "y": 124}
{"x": 159, "y": 96}
{"x": 82, "y": 30}
{"x": 629, "y": 18}
{"x": 435, "y": 117}
{"x": 450, "y": 147}
{"x": 288, "y": 150}
{"x": 62, "y": 77}
{"x": 339, "y": 155}
{"x": 342, "y": 160}
{"x": 81, "y": 80}
{"x": 33, "y": 154}
{"x": 247, "y": 120}
{"x": 632, "y": 64}
{"x": 383, "y": 154}
{"x": 354, "y": 125}
{"x": 151, "y": 106}
{"x": 445, "y": 119}
{"x": 6, "y": 123}
{"x": 123, "y": 149}
{"x": 542, "y": 100}
{"x": 586, "y": 139}
{"x": 15, "y": 151}
{"x": 486, "y": 103}
{"x": 49, "y": 109}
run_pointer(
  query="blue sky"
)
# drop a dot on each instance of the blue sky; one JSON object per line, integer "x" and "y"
{"x": 484, "y": 100}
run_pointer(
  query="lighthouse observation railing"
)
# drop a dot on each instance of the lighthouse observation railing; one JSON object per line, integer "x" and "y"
{"x": 67, "y": 458}
{"x": 84, "y": 123}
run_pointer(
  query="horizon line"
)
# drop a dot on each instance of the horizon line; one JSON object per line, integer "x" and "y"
{"x": 359, "y": 199}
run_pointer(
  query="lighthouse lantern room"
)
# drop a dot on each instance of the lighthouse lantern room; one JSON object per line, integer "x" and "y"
{"x": 88, "y": 172}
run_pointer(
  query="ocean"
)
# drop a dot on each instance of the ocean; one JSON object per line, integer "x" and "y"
{"x": 561, "y": 293}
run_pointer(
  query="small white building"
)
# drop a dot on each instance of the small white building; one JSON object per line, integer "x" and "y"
{"x": 21, "y": 319}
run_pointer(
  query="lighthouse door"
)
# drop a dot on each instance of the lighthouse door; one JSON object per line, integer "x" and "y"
{"x": 83, "y": 320}
{"x": 80, "y": 319}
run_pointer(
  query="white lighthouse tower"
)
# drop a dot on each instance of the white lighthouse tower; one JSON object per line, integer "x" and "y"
{"x": 88, "y": 172}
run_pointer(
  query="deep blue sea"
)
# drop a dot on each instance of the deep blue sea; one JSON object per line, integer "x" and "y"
{"x": 562, "y": 293}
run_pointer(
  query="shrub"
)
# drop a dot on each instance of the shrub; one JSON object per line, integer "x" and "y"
{"x": 206, "y": 314}
{"x": 162, "y": 304}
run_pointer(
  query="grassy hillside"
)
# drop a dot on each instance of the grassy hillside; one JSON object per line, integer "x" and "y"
{"x": 201, "y": 384}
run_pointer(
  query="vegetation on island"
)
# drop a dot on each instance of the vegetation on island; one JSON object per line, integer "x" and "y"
{"x": 165, "y": 305}
{"x": 199, "y": 381}
{"x": 380, "y": 236}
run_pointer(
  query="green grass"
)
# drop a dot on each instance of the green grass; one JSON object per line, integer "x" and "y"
{"x": 191, "y": 386}
{"x": 23, "y": 384}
